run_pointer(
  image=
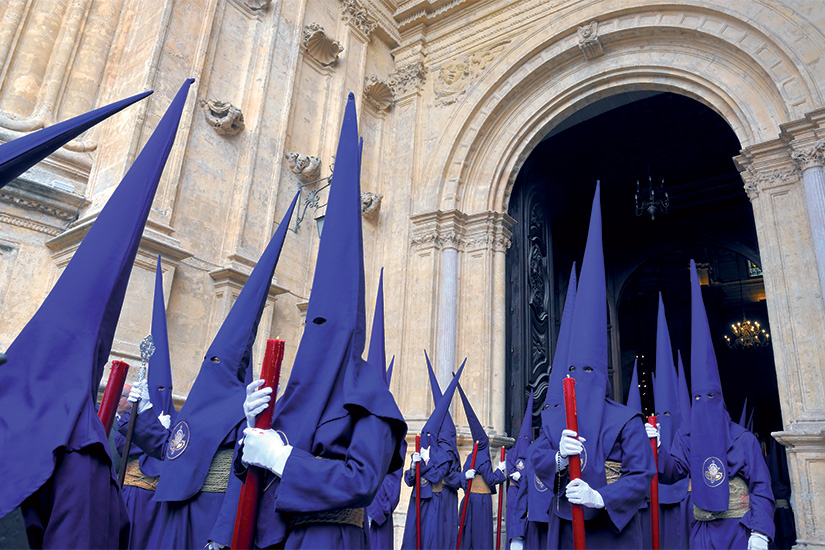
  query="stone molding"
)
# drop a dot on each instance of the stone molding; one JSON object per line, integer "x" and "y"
{"x": 306, "y": 167}
{"x": 256, "y": 5}
{"x": 356, "y": 15}
{"x": 458, "y": 231}
{"x": 235, "y": 275}
{"x": 223, "y": 117}
{"x": 766, "y": 166}
{"x": 809, "y": 157}
{"x": 589, "y": 42}
{"x": 456, "y": 77}
{"x": 378, "y": 93}
{"x": 408, "y": 79}
{"x": 51, "y": 201}
{"x": 320, "y": 46}
{"x": 370, "y": 205}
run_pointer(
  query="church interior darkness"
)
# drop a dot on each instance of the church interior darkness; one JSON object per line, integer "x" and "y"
{"x": 618, "y": 140}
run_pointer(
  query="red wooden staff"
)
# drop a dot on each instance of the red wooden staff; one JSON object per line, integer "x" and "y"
{"x": 466, "y": 497}
{"x": 418, "y": 494}
{"x": 247, "y": 513}
{"x": 574, "y": 462}
{"x": 654, "y": 490}
{"x": 111, "y": 395}
{"x": 500, "y": 497}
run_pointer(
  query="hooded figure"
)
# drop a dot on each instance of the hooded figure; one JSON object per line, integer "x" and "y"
{"x": 142, "y": 470}
{"x": 478, "y": 525}
{"x": 435, "y": 463}
{"x": 743, "y": 416}
{"x": 379, "y": 512}
{"x": 731, "y": 485}
{"x": 539, "y": 493}
{"x": 673, "y": 509}
{"x": 517, "y": 489}
{"x": 610, "y": 432}
{"x": 781, "y": 487}
{"x": 199, "y": 496}
{"x": 335, "y": 406}
{"x": 684, "y": 395}
{"x": 63, "y": 476}
{"x": 20, "y": 154}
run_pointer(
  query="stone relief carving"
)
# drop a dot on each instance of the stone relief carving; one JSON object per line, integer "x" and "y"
{"x": 306, "y": 167}
{"x": 356, "y": 15}
{"x": 408, "y": 78}
{"x": 378, "y": 93}
{"x": 756, "y": 181}
{"x": 589, "y": 40}
{"x": 455, "y": 78}
{"x": 223, "y": 117}
{"x": 810, "y": 157}
{"x": 256, "y": 5}
{"x": 320, "y": 46}
{"x": 370, "y": 205}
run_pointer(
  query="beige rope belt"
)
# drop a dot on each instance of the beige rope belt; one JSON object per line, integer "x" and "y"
{"x": 136, "y": 478}
{"x": 612, "y": 471}
{"x": 738, "y": 503}
{"x": 219, "y": 471}
{"x": 437, "y": 487}
{"x": 479, "y": 486}
{"x": 344, "y": 516}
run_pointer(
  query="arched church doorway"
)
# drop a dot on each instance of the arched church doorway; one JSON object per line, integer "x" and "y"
{"x": 644, "y": 136}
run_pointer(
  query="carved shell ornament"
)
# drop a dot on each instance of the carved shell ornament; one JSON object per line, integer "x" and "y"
{"x": 225, "y": 118}
{"x": 320, "y": 46}
{"x": 378, "y": 93}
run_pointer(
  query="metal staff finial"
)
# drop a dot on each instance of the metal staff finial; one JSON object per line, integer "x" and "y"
{"x": 147, "y": 348}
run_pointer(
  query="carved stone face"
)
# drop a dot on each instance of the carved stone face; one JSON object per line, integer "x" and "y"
{"x": 301, "y": 162}
{"x": 452, "y": 73}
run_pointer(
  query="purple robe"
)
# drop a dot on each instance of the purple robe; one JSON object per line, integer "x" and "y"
{"x": 380, "y": 511}
{"x": 434, "y": 533}
{"x": 449, "y": 504}
{"x": 616, "y": 525}
{"x": 744, "y": 459}
{"x": 478, "y": 525}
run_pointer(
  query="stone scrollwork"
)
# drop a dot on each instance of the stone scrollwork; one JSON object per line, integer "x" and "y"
{"x": 306, "y": 167}
{"x": 378, "y": 93}
{"x": 370, "y": 205}
{"x": 811, "y": 156}
{"x": 455, "y": 78}
{"x": 320, "y": 46}
{"x": 358, "y": 16}
{"x": 589, "y": 40}
{"x": 408, "y": 78}
{"x": 756, "y": 181}
{"x": 223, "y": 117}
{"x": 256, "y": 5}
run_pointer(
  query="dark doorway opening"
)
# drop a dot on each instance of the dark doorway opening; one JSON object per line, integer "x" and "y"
{"x": 619, "y": 140}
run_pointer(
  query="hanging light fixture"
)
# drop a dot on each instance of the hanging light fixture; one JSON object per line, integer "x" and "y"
{"x": 657, "y": 200}
{"x": 746, "y": 334}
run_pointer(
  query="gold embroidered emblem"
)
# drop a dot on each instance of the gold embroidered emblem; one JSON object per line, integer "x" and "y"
{"x": 179, "y": 441}
{"x": 714, "y": 473}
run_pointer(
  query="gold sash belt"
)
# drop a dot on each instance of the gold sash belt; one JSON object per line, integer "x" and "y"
{"x": 738, "y": 503}
{"x": 136, "y": 478}
{"x": 344, "y": 516}
{"x": 219, "y": 471}
{"x": 612, "y": 470}
{"x": 479, "y": 486}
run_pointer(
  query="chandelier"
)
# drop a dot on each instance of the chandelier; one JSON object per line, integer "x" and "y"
{"x": 747, "y": 335}
{"x": 655, "y": 202}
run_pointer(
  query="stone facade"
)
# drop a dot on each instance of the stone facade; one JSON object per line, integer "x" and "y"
{"x": 452, "y": 96}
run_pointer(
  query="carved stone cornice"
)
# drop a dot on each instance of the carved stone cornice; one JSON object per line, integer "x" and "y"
{"x": 235, "y": 274}
{"x": 378, "y": 93}
{"x": 320, "y": 46}
{"x": 458, "y": 231}
{"x": 765, "y": 179}
{"x": 358, "y": 16}
{"x": 589, "y": 42}
{"x": 408, "y": 79}
{"x": 766, "y": 166}
{"x": 809, "y": 157}
{"x": 456, "y": 77}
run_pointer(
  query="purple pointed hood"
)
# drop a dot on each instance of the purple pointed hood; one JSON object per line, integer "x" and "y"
{"x": 709, "y": 420}
{"x": 743, "y": 416}
{"x": 430, "y": 430}
{"x": 19, "y": 155}
{"x": 446, "y": 434}
{"x": 666, "y": 384}
{"x": 329, "y": 378}
{"x": 377, "y": 353}
{"x": 555, "y": 392}
{"x": 634, "y": 399}
{"x": 684, "y": 395}
{"x": 215, "y": 403}
{"x": 749, "y": 426}
{"x": 476, "y": 430}
{"x": 56, "y": 363}
{"x": 518, "y": 454}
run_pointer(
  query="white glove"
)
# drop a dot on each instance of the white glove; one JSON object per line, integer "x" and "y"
{"x": 256, "y": 401}
{"x": 579, "y": 492}
{"x": 569, "y": 445}
{"x": 140, "y": 394}
{"x": 502, "y": 466}
{"x": 515, "y": 476}
{"x": 416, "y": 458}
{"x": 165, "y": 419}
{"x": 757, "y": 541}
{"x": 369, "y": 522}
{"x": 212, "y": 545}
{"x": 469, "y": 474}
{"x": 517, "y": 543}
{"x": 425, "y": 454}
{"x": 653, "y": 432}
{"x": 266, "y": 449}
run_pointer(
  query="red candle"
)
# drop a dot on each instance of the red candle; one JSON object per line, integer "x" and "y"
{"x": 569, "y": 385}
{"x": 111, "y": 395}
{"x": 654, "y": 490}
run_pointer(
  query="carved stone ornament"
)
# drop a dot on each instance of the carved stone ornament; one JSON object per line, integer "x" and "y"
{"x": 408, "y": 78}
{"x": 358, "y": 16}
{"x": 320, "y": 46}
{"x": 810, "y": 157}
{"x": 306, "y": 167}
{"x": 370, "y": 205}
{"x": 224, "y": 118}
{"x": 454, "y": 79}
{"x": 378, "y": 93}
{"x": 589, "y": 40}
{"x": 256, "y": 5}
{"x": 756, "y": 181}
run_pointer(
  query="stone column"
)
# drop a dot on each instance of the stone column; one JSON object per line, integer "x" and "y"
{"x": 811, "y": 161}
{"x": 447, "y": 311}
